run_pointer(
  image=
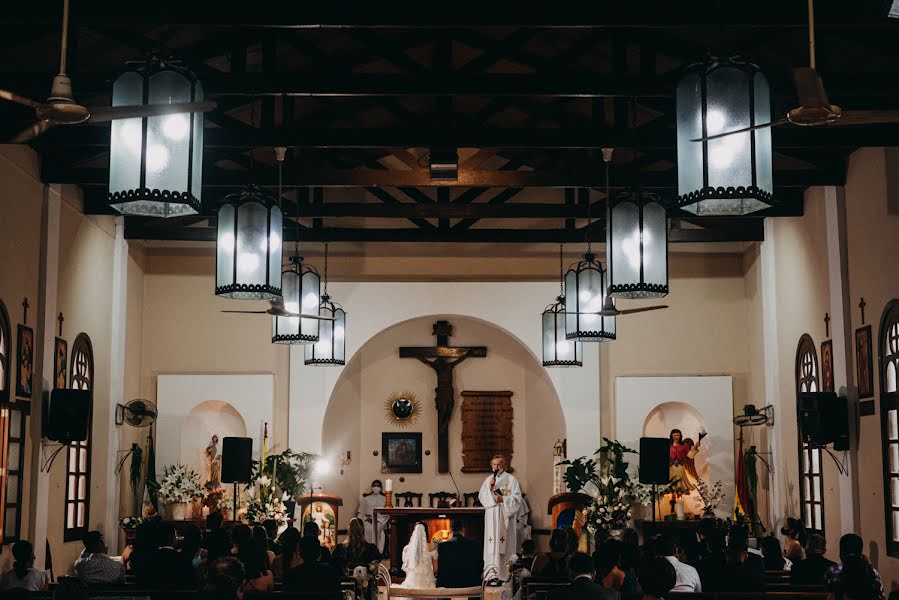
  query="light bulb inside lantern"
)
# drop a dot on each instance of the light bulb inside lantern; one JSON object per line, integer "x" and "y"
{"x": 338, "y": 332}
{"x": 157, "y": 157}
{"x": 130, "y": 134}
{"x": 176, "y": 127}
{"x": 274, "y": 240}
{"x": 310, "y": 300}
{"x": 226, "y": 239}
{"x": 247, "y": 262}
{"x": 714, "y": 121}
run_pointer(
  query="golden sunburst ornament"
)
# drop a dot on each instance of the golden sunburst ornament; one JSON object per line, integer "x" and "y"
{"x": 401, "y": 409}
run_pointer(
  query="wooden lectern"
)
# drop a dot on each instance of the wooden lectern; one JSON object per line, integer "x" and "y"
{"x": 563, "y": 508}
{"x": 323, "y": 509}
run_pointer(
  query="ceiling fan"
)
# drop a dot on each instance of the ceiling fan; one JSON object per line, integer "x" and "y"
{"x": 814, "y": 107}
{"x": 277, "y": 309}
{"x": 62, "y": 109}
{"x": 609, "y": 310}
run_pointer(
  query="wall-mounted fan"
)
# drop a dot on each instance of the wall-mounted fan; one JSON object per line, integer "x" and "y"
{"x": 137, "y": 413}
{"x": 754, "y": 417}
{"x": 62, "y": 109}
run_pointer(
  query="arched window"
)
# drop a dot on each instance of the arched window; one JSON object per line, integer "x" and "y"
{"x": 888, "y": 349}
{"x": 78, "y": 459}
{"x": 811, "y": 479}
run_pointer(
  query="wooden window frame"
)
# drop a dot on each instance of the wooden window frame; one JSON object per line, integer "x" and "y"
{"x": 79, "y": 380}
{"x": 809, "y": 382}
{"x": 15, "y": 437}
{"x": 889, "y": 401}
{"x": 7, "y": 358}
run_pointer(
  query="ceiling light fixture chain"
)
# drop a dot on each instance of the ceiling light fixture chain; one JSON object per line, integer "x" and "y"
{"x": 561, "y": 273}
{"x": 326, "y": 271}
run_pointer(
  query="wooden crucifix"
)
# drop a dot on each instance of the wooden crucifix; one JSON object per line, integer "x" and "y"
{"x": 827, "y": 325}
{"x": 443, "y": 358}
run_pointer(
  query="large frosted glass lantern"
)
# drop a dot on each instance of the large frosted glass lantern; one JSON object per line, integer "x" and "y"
{"x": 730, "y": 175}
{"x": 636, "y": 246}
{"x": 558, "y": 351}
{"x": 155, "y": 163}
{"x": 248, "y": 246}
{"x": 330, "y": 349}
{"x": 585, "y": 292}
{"x": 301, "y": 290}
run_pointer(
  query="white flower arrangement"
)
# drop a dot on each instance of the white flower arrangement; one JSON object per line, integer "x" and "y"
{"x": 180, "y": 484}
{"x": 130, "y": 522}
{"x": 711, "y": 497}
{"x": 262, "y": 510}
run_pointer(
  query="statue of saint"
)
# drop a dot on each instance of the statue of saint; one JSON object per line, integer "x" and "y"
{"x": 682, "y": 468}
{"x": 213, "y": 462}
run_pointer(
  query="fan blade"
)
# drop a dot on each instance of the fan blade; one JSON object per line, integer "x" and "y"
{"x": 810, "y": 88}
{"x": 305, "y": 316}
{"x": 102, "y": 114}
{"x": 744, "y": 130}
{"x": 867, "y": 117}
{"x": 31, "y": 132}
{"x": 631, "y": 311}
{"x": 14, "y": 97}
{"x": 247, "y": 312}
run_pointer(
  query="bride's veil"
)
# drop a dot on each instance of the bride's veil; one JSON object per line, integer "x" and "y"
{"x": 419, "y": 553}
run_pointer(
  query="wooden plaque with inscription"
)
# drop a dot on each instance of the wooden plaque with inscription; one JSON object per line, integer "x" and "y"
{"x": 486, "y": 429}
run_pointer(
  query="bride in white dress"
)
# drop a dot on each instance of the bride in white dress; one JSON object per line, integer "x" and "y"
{"x": 418, "y": 561}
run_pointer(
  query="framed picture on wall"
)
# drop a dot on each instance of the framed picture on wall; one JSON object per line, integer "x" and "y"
{"x": 25, "y": 361}
{"x": 827, "y": 366}
{"x": 401, "y": 452}
{"x": 864, "y": 363}
{"x": 60, "y": 364}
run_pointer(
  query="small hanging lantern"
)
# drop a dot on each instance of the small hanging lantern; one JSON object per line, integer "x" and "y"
{"x": 729, "y": 175}
{"x": 330, "y": 349}
{"x": 636, "y": 246}
{"x": 558, "y": 351}
{"x": 585, "y": 293}
{"x": 155, "y": 163}
{"x": 248, "y": 246}
{"x": 301, "y": 293}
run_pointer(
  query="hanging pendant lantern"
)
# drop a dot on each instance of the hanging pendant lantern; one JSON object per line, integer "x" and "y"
{"x": 248, "y": 246}
{"x": 330, "y": 349}
{"x": 730, "y": 175}
{"x": 155, "y": 163}
{"x": 585, "y": 293}
{"x": 636, "y": 246}
{"x": 558, "y": 351}
{"x": 301, "y": 292}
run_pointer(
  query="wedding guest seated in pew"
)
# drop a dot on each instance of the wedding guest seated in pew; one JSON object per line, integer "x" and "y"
{"x": 811, "y": 570}
{"x": 311, "y": 529}
{"x": 191, "y": 550}
{"x": 656, "y": 577}
{"x": 355, "y": 551}
{"x": 687, "y": 577}
{"x": 169, "y": 567}
{"x": 854, "y": 578}
{"x": 254, "y": 556}
{"x": 94, "y": 566}
{"x": 607, "y": 562}
{"x": 214, "y": 522}
{"x": 271, "y": 530}
{"x": 289, "y": 542}
{"x": 261, "y": 536}
{"x": 582, "y": 586}
{"x": 69, "y": 589}
{"x": 738, "y": 574}
{"x": 226, "y": 580}
{"x": 794, "y": 532}
{"x": 553, "y": 564}
{"x": 23, "y": 574}
{"x": 773, "y": 556}
{"x": 312, "y": 575}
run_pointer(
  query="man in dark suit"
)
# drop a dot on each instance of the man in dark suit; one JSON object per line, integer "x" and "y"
{"x": 312, "y": 576}
{"x": 460, "y": 561}
{"x": 811, "y": 571}
{"x": 169, "y": 567}
{"x": 582, "y": 586}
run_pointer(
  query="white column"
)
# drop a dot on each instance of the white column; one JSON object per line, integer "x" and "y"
{"x": 841, "y": 333}
{"x": 46, "y": 328}
{"x": 772, "y": 370}
{"x": 116, "y": 379}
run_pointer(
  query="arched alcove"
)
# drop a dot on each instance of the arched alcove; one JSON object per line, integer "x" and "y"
{"x": 680, "y": 415}
{"x": 354, "y": 418}
{"x": 212, "y": 417}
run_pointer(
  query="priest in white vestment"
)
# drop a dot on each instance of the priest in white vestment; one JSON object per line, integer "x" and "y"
{"x": 367, "y": 506}
{"x": 501, "y": 497}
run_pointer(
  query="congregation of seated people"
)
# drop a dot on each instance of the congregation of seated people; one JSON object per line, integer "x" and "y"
{"x": 247, "y": 561}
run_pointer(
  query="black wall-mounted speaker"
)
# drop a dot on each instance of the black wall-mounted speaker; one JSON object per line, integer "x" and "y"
{"x": 68, "y": 416}
{"x": 824, "y": 419}
{"x": 654, "y": 460}
{"x": 236, "y": 459}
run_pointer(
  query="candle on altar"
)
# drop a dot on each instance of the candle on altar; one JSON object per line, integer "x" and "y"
{"x": 274, "y": 471}
{"x": 388, "y": 485}
{"x": 679, "y": 509}
{"x": 205, "y": 511}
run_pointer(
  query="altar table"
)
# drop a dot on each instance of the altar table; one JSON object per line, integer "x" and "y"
{"x": 401, "y": 522}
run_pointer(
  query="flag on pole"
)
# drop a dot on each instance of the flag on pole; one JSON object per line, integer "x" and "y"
{"x": 741, "y": 495}
{"x": 152, "y": 485}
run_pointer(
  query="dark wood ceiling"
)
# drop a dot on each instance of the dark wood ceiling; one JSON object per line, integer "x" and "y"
{"x": 529, "y": 94}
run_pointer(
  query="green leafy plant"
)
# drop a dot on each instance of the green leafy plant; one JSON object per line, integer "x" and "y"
{"x": 579, "y": 473}
{"x": 136, "y": 471}
{"x": 288, "y": 471}
{"x": 613, "y": 452}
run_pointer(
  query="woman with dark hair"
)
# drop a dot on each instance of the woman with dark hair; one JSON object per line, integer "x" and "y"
{"x": 794, "y": 531}
{"x": 290, "y": 553}
{"x": 190, "y": 546}
{"x": 355, "y": 550}
{"x": 253, "y": 556}
{"x": 23, "y": 574}
{"x": 139, "y": 558}
{"x": 607, "y": 562}
{"x": 657, "y": 577}
{"x": 553, "y": 564}
{"x": 858, "y": 580}
{"x": 772, "y": 556}
{"x": 261, "y": 536}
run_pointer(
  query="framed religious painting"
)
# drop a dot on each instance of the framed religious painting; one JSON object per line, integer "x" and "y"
{"x": 25, "y": 362}
{"x": 827, "y": 366}
{"x": 60, "y": 364}
{"x": 400, "y": 452}
{"x": 864, "y": 363}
